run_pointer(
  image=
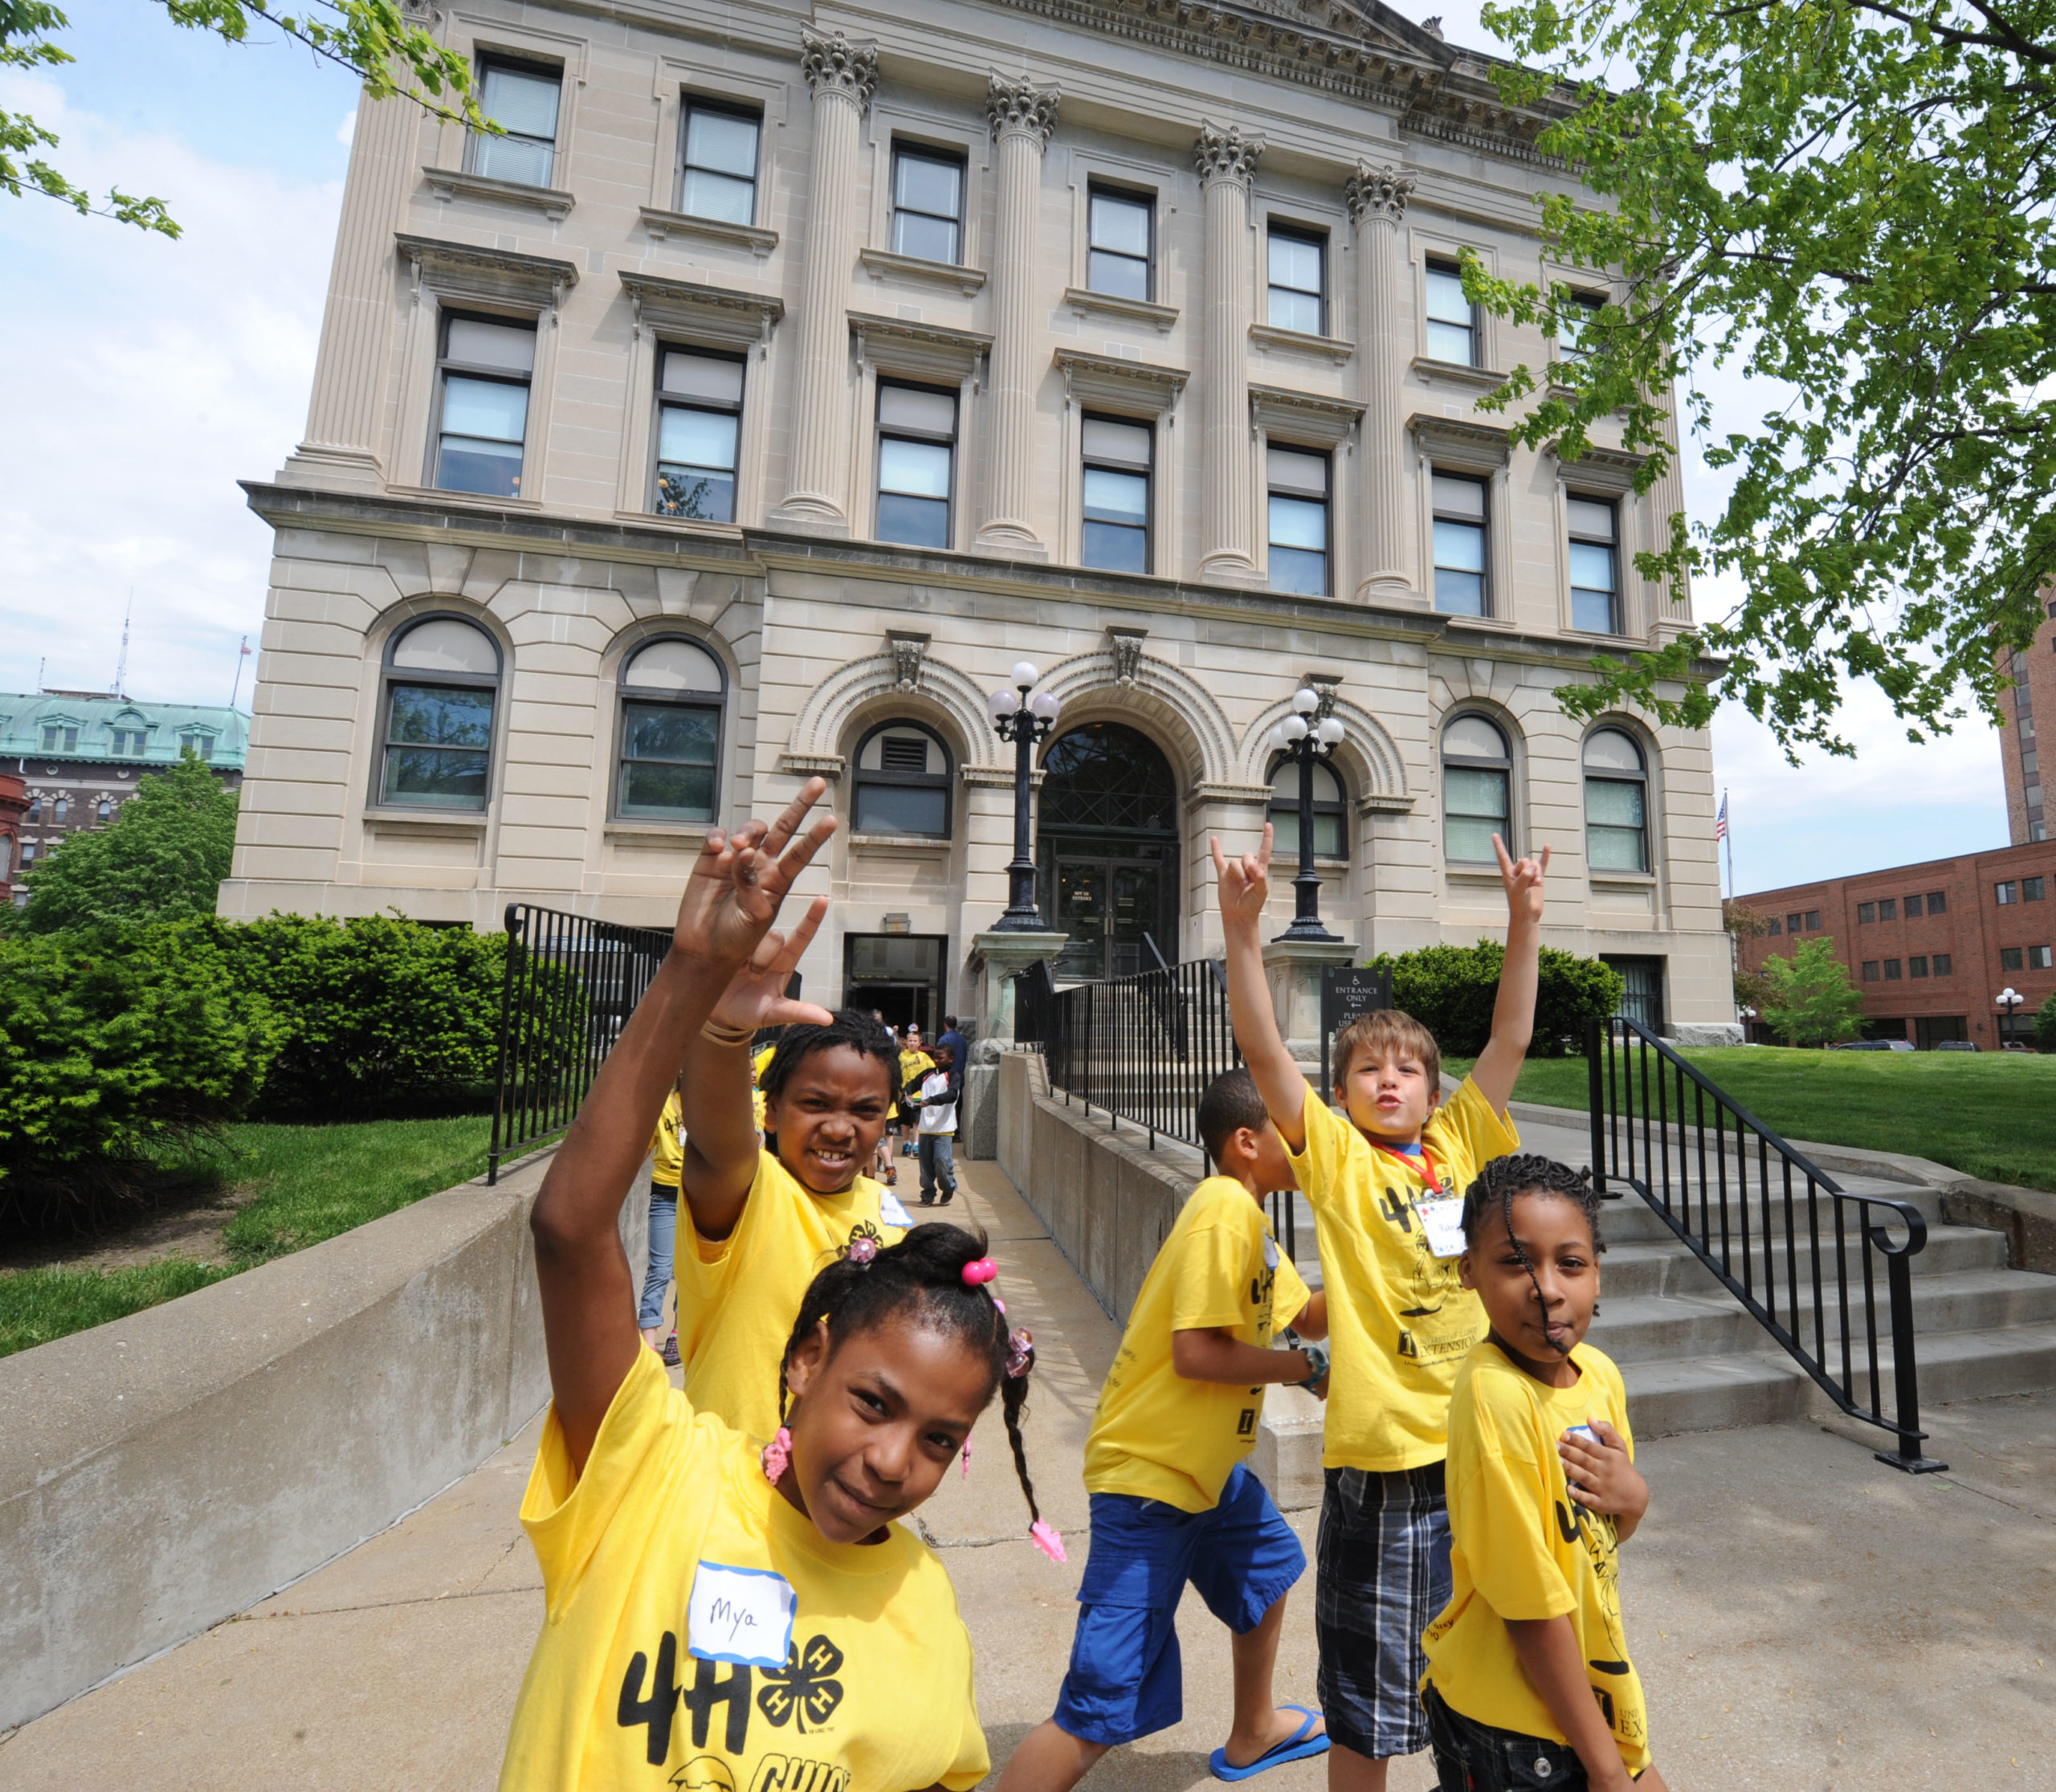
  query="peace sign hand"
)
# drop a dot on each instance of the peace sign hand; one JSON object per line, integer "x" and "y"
{"x": 741, "y": 879}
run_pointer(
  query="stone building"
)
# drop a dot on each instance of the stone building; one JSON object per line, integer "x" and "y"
{"x": 13, "y": 804}
{"x": 2034, "y": 690}
{"x": 783, "y": 377}
{"x": 79, "y": 754}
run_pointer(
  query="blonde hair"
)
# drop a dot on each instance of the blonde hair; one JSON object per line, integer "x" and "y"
{"x": 1385, "y": 1031}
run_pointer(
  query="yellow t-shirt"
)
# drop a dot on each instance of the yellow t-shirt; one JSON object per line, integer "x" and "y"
{"x": 756, "y": 1082}
{"x": 1156, "y": 1435}
{"x": 1521, "y": 1547}
{"x": 739, "y": 1297}
{"x": 1399, "y": 1321}
{"x": 913, "y": 1066}
{"x": 872, "y": 1691}
{"x": 667, "y": 1145}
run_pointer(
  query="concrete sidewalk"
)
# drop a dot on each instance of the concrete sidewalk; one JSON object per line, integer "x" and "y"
{"x": 1804, "y": 1617}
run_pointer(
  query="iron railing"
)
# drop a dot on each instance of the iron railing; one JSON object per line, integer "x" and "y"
{"x": 571, "y": 983}
{"x": 1799, "y": 1253}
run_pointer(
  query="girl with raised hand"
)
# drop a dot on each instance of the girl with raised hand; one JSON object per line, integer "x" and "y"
{"x": 723, "y": 1613}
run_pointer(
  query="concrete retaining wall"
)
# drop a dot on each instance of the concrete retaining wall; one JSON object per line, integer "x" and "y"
{"x": 160, "y": 1474}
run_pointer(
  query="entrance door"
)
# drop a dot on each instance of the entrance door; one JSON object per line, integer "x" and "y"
{"x": 899, "y": 974}
{"x": 1643, "y": 998}
{"x": 1106, "y": 905}
{"x": 1107, "y": 844}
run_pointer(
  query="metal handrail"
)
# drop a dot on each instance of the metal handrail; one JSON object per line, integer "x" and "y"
{"x": 571, "y": 983}
{"x": 1670, "y": 1161}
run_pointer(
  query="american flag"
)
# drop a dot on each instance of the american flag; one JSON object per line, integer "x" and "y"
{"x": 1720, "y": 820}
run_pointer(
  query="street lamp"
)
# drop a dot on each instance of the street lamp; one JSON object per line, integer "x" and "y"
{"x": 2008, "y": 1001}
{"x": 1301, "y": 738}
{"x": 1025, "y": 721}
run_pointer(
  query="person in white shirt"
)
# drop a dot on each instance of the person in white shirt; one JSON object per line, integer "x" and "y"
{"x": 940, "y": 1089}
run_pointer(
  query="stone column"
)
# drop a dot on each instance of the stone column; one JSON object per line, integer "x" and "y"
{"x": 1377, "y": 201}
{"x": 349, "y": 374}
{"x": 1226, "y": 159}
{"x": 1021, "y": 121}
{"x": 841, "y": 75}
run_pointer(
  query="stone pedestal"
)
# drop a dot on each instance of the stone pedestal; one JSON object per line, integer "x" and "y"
{"x": 996, "y": 957}
{"x": 1293, "y": 968}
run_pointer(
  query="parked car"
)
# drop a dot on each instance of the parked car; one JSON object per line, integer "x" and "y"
{"x": 1955, "y": 1045}
{"x": 1871, "y": 1045}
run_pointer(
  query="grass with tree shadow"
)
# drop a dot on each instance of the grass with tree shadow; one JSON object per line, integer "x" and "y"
{"x": 1989, "y": 1114}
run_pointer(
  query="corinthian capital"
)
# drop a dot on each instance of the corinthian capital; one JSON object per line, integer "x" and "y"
{"x": 835, "y": 65}
{"x": 1019, "y": 106}
{"x": 1377, "y": 195}
{"x": 1224, "y": 155}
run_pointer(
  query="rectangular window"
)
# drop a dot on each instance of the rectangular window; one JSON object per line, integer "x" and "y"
{"x": 1869, "y": 970}
{"x": 1888, "y": 908}
{"x": 717, "y": 162}
{"x": 1120, "y": 228}
{"x": 1916, "y": 967}
{"x": 1117, "y": 457}
{"x": 1459, "y": 508}
{"x": 1595, "y": 567}
{"x": 1452, "y": 322}
{"x": 1891, "y": 970}
{"x": 28, "y": 853}
{"x": 1941, "y": 964}
{"x": 57, "y": 738}
{"x": 2037, "y": 957}
{"x": 916, "y": 464}
{"x": 1298, "y": 521}
{"x": 1578, "y": 317}
{"x": 1793, "y": 923}
{"x": 1299, "y": 285}
{"x": 699, "y": 420}
{"x": 1812, "y": 921}
{"x": 1776, "y": 927}
{"x": 2030, "y": 889}
{"x": 1938, "y": 903}
{"x": 486, "y": 366}
{"x": 199, "y": 742}
{"x": 2005, "y": 893}
{"x": 521, "y": 98}
{"x": 928, "y": 204}
{"x": 2010, "y": 958}
{"x": 1866, "y": 913}
{"x": 439, "y": 741}
{"x": 1913, "y": 908}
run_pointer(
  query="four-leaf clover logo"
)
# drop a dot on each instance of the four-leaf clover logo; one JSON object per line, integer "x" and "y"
{"x": 805, "y": 1686}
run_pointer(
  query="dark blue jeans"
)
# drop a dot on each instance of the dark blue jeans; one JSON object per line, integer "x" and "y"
{"x": 938, "y": 1164}
{"x": 663, "y": 1241}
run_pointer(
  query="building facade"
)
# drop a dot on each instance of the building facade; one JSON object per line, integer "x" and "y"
{"x": 1932, "y": 946}
{"x": 80, "y": 753}
{"x": 14, "y": 806}
{"x": 2033, "y": 692}
{"x": 783, "y": 377}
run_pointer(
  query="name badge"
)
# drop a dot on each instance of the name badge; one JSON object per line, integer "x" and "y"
{"x": 1269, "y": 1251}
{"x": 740, "y": 1614}
{"x": 1443, "y": 1222}
{"x": 889, "y": 1210}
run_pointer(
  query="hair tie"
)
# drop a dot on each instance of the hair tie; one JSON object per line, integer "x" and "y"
{"x": 1001, "y": 1305}
{"x": 862, "y": 1251}
{"x": 980, "y": 1271}
{"x": 1021, "y": 1354}
{"x": 1048, "y": 1539}
{"x": 778, "y": 1453}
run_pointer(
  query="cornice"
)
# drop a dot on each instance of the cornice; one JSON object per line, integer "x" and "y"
{"x": 466, "y": 269}
{"x": 1104, "y": 378}
{"x": 457, "y": 183}
{"x": 736, "y": 317}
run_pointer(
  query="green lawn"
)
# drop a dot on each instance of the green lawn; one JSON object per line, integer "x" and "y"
{"x": 312, "y": 1183}
{"x": 1987, "y": 1113}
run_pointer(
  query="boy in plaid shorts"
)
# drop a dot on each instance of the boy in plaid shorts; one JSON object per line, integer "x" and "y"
{"x": 1385, "y": 1186}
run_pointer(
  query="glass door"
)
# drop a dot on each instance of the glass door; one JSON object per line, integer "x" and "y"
{"x": 1081, "y": 907}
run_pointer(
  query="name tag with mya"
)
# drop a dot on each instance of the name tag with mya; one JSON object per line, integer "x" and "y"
{"x": 740, "y": 1614}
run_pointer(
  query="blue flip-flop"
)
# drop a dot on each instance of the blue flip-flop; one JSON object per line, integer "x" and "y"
{"x": 1298, "y": 1746}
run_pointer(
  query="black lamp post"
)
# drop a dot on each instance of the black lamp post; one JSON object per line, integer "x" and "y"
{"x": 1302, "y": 739}
{"x": 1025, "y": 722}
{"x": 2008, "y": 1001}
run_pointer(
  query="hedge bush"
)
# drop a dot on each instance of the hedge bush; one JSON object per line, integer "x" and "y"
{"x": 1450, "y": 990}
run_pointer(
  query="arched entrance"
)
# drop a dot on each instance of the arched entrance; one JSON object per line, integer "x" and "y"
{"x": 1107, "y": 843}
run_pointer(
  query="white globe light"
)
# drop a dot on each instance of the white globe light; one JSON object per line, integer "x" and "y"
{"x": 1293, "y": 728}
{"x": 1275, "y": 740}
{"x": 1003, "y": 704}
{"x": 1045, "y": 706}
{"x": 1330, "y": 729}
{"x": 1025, "y": 672}
{"x": 1305, "y": 701}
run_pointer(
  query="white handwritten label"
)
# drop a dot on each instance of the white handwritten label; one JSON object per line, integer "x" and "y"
{"x": 1269, "y": 1251}
{"x": 889, "y": 1210}
{"x": 740, "y": 1614}
{"x": 1443, "y": 1222}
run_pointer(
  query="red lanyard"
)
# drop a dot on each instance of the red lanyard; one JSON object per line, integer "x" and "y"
{"x": 1433, "y": 1178}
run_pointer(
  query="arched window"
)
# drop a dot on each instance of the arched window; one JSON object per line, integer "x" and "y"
{"x": 902, "y": 781}
{"x": 442, "y": 682}
{"x": 104, "y": 811}
{"x": 1477, "y": 789}
{"x": 672, "y": 693}
{"x": 1330, "y": 827}
{"x": 1616, "y": 803}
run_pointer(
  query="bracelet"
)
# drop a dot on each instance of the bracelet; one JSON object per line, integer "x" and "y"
{"x": 1316, "y": 1364}
{"x": 715, "y": 1033}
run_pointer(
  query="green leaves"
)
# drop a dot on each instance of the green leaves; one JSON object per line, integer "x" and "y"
{"x": 1450, "y": 989}
{"x": 1853, "y": 201}
{"x": 1808, "y": 998}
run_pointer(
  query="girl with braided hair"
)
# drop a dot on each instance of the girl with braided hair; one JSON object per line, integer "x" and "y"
{"x": 1528, "y": 1675}
{"x": 721, "y": 1611}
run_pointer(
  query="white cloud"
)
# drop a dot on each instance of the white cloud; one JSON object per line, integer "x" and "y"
{"x": 346, "y": 132}
{"x": 160, "y": 373}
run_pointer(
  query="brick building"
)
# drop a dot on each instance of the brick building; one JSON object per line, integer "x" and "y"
{"x": 1931, "y": 944}
{"x": 13, "y": 804}
{"x": 2033, "y": 692}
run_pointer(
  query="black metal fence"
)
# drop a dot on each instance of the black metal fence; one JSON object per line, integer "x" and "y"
{"x": 1798, "y": 1251}
{"x": 571, "y": 984}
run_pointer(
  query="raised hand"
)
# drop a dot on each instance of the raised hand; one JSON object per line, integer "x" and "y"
{"x": 740, "y": 878}
{"x": 1602, "y": 1477}
{"x": 1523, "y": 879}
{"x": 1243, "y": 882}
{"x": 755, "y": 996}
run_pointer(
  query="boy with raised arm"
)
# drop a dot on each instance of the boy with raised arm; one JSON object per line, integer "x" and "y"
{"x": 1385, "y": 1186}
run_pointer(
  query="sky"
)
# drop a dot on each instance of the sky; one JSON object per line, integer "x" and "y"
{"x": 148, "y": 375}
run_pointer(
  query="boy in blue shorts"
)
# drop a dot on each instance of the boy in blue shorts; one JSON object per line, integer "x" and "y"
{"x": 1173, "y": 1500}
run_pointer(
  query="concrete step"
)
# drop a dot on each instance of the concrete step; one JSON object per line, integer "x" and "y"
{"x": 1663, "y": 1266}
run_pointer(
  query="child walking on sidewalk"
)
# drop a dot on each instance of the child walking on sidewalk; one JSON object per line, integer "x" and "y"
{"x": 1528, "y": 1663}
{"x": 667, "y": 1158}
{"x": 1384, "y": 1185}
{"x": 1173, "y": 1500}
